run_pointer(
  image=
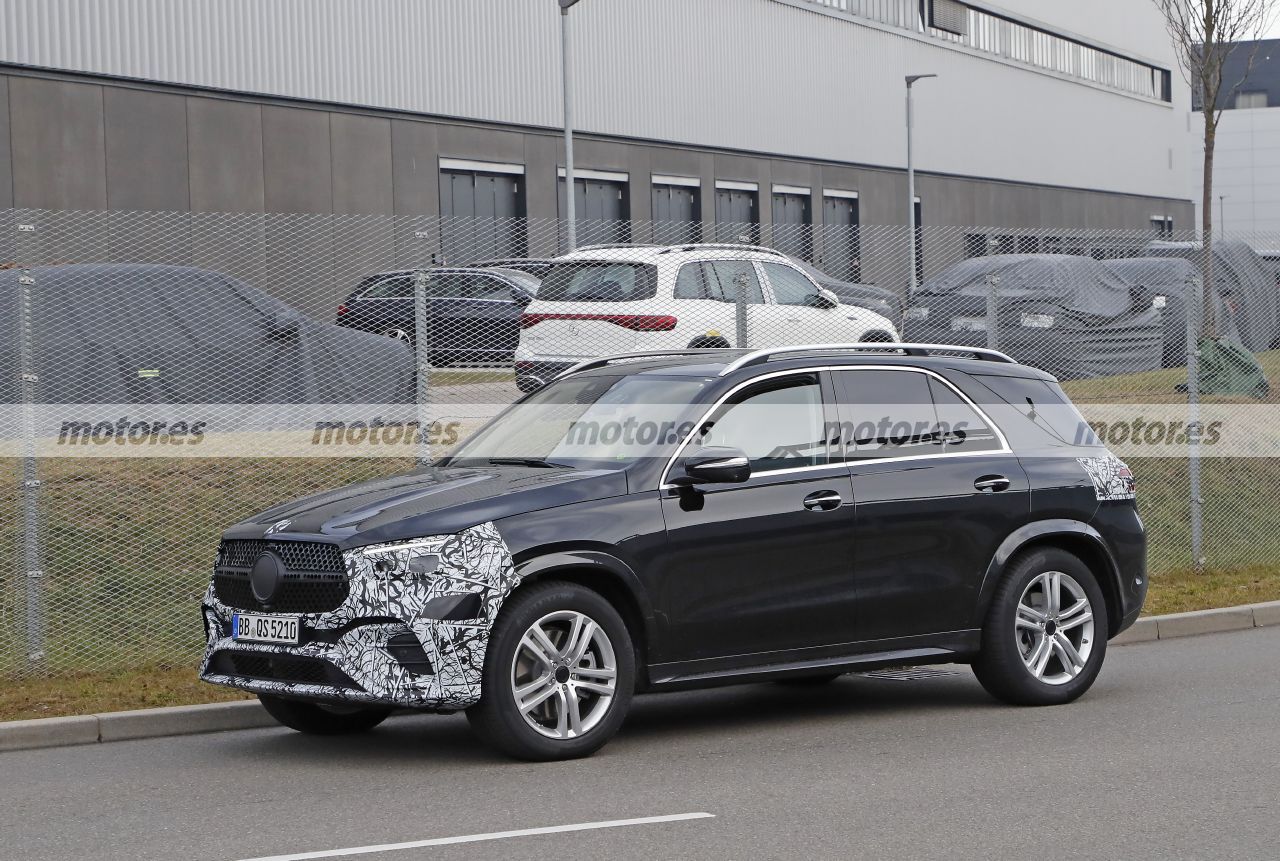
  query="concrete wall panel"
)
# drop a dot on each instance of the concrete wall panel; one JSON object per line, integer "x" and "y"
{"x": 147, "y": 154}
{"x": 59, "y": 150}
{"x": 362, "y": 175}
{"x": 224, "y": 142}
{"x": 6, "y": 154}
{"x": 297, "y": 160}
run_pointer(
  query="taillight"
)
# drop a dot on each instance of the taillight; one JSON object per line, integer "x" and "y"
{"x": 342, "y": 309}
{"x": 634, "y": 322}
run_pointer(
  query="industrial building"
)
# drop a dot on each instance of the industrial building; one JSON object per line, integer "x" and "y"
{"x": 690, "y": 113}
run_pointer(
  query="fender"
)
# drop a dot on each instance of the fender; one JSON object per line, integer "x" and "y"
{"x": 599, "y": 563}
{"x": 1034, "y": 531}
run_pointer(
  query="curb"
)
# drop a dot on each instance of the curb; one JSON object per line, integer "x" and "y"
{"x": 143, "y": 723}
{"x": 1150, "y": 628}
{"x": 249, "y": 714}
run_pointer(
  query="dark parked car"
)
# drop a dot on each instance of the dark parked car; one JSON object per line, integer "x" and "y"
{"x": 884, "y": 302}
{"x": 659, "y": 522}
{"x": 1068, "y": 314}
{"x": 535, "y": 266}
{"x": 473, "y": 315}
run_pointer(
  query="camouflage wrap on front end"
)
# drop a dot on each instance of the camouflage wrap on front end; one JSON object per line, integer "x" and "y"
{"x": 383, "y": 588}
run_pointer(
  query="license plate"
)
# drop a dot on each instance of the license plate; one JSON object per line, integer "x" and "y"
{"x": 968, "y": 324}
{"x": 264, "y": 629}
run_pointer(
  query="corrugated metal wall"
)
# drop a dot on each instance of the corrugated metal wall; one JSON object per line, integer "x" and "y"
{"x": 757, "y": 75}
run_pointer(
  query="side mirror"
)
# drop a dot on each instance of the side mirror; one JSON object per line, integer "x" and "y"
{"x": 717, "y": 465}
{"x": 824, "y": 298}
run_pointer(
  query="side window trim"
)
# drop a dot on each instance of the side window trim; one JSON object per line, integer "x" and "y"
{"x": 663, "y": 483}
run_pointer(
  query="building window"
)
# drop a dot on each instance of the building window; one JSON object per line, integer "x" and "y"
{"x": 1257, "y": 99}
{"x": 841, "y": 237}
{"x": 482, "y": 211}
{"x": 602, "y": 207}
{"x": 737, "y": 212}
{"x": 1013, "y": 40}
{"x": 792, "y": 218}
{"x": 677, "y": 209}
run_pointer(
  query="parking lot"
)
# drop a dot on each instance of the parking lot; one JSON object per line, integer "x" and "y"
{"x": 1172, "y": 754}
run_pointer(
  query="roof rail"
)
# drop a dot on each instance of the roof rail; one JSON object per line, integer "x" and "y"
{"x": 604, "y": 361}
{"x": 722, "y": 246}
{"x": 605, "y": 246}
{"x": 758, "y": 357}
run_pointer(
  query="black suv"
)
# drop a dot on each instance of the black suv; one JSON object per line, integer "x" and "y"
{"x": 702, "y": 518}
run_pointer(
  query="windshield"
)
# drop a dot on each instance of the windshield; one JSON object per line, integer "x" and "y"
{"x": 595, "y": 422}
{"x": 598, "y": 281}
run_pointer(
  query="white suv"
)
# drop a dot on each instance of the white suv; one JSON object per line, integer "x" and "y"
{"x": 603, "y": 300}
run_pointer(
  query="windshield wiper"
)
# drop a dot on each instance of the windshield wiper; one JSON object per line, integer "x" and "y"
{"x": 524, "y": 461}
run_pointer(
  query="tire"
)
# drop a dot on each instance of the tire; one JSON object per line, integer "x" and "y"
{"x": 322, "y": 719}
{"x": 703, "y": 342}
{"x": 809, "y": 681}
{"x": 878, "y": 336}
{"x": 1012, "y": 635}
{"x": 546, "y": 731}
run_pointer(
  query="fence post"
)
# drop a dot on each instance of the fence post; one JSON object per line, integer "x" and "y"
{"x": 32, "y": 566}
{"x": 993, "y": 312}
{"x": 1194, "y": 312}
{"x": 422, "y": 366}
{"x": 740, "y": 311}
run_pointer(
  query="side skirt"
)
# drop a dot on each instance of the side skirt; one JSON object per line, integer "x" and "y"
{"x": 950, "y": 647}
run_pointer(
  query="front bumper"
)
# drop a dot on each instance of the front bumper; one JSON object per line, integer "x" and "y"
{"x": 399, "y": 639}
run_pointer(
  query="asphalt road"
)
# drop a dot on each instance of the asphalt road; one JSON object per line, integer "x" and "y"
{"x": 1174, "y": 753}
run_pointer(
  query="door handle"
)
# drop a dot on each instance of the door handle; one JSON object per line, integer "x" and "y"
{"x": 992, "y": 483}
{"x": 822, "y": 500}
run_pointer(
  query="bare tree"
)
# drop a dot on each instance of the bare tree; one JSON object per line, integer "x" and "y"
{"x": 1204, "y": 34}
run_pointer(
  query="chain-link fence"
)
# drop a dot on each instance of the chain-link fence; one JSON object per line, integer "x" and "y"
{"x": 168, "y": 374}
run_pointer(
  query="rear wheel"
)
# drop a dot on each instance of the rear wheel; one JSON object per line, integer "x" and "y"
{"x": 558, "y": 674}
{"x": 322, "y": 718}
{"x": 1045, "y": 635}
{"x": 877, "y": 336}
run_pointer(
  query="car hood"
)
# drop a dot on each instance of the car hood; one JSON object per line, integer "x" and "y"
{"x": 429, "y": 501}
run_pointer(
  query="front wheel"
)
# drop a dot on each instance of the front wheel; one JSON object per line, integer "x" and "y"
{"x": 1045, "y": 635}
{"x": 322, "y": 718}
{"x": 558, "y": 675}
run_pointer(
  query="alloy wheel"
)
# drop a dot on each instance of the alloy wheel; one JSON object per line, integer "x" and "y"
{"x": 1054, "y": 627}
{"x": 564, "y": 674}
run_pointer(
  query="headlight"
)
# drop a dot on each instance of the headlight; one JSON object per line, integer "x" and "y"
{"x": 1037, "y": 321}
{"x": 403, "y": 561}
{"x": 919, "y": 313}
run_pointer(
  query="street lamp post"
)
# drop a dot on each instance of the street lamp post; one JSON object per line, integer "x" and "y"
{"x": 571, "y": 234}
{"x": 911, "y": 180}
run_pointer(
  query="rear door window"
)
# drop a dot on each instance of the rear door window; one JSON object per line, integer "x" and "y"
{"x": 886, "y": 413}
{"x": 392, "y": 287}
{"x": 730, "y": 276}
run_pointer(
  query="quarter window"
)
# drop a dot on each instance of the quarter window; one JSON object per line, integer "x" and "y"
{"x": 778, "y": 427}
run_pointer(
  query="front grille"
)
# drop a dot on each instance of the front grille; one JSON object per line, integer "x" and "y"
{"x": 280, "y": 668}
{"x": 315, "y": 579}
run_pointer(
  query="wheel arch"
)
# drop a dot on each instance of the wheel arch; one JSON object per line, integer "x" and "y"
{"x": 607, "y": 575}
{"x": 1075, "y": 537}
